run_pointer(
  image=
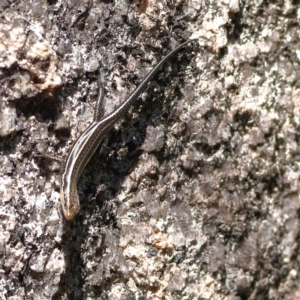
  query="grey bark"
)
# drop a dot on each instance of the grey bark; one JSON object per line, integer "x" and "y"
{"x": 195, "y": 193}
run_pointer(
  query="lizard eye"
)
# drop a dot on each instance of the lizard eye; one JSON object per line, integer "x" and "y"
{"x": 70, "y": 205}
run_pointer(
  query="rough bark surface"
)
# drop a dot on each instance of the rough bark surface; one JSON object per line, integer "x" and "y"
{"x": 195, "y": 192}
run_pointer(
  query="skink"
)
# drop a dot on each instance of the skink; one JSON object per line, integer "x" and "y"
{"x": 89, "y": 141}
